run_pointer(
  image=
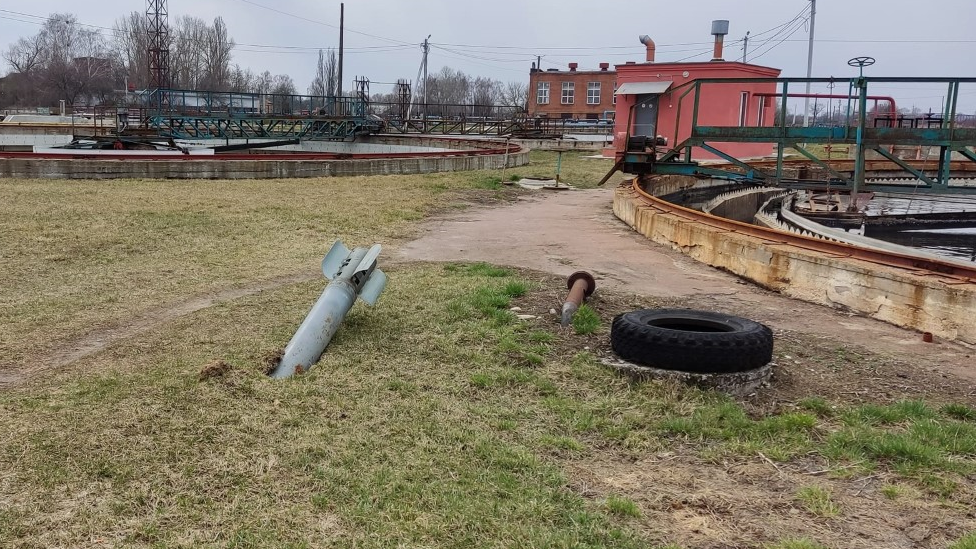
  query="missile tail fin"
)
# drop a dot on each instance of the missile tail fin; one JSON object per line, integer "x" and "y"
{"x": 373, "y": 287}
{"x": 333, "y": 260}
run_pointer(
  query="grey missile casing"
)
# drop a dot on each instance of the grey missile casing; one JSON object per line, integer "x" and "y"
{"x": 352, "y": 274}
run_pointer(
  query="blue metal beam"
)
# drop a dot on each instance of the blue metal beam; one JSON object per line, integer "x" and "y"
{"x": 750, "y": 171}
{"x": 928, "y": 180}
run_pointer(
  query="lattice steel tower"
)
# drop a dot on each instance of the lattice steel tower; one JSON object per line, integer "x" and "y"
{"x": 157, "y": 22}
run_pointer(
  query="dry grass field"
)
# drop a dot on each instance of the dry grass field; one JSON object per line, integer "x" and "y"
{"x": 435, "y": 419}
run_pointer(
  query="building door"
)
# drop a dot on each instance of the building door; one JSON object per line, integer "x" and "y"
{"x": 645, "y": 117}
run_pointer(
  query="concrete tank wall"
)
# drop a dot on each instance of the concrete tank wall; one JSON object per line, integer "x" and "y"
{"x": 343, "y": 147}
{"x": 929, "y": 303}
{"x": 249, "y": 169}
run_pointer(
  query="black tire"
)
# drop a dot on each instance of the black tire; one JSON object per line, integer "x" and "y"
{"x": 692, "y": 341}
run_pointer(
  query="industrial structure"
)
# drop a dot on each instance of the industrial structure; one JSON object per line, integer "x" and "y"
{"x": 649, "y": 98}
{"x": 726, "y": 110}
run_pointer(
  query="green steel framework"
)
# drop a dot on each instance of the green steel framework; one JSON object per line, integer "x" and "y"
{"x": 948, "y": 138}
{"x": 189, "y": 114}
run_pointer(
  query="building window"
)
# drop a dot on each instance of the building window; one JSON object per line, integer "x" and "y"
{"x": 762, "y": 111}
{"x": 614, "y": 93}
{"x": 743, "y": 108}
{"x": 593, "y": 93}
{"x": 569, "y": 91}
{"x": 542, "y": 93}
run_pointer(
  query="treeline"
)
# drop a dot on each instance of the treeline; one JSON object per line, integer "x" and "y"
{"x": 69, "y": 61}
{"x": 452, "y": 93}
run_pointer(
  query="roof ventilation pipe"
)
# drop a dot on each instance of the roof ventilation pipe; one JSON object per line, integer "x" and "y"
{"x": 646, "y": 40}
{"x": 720, "y": 28}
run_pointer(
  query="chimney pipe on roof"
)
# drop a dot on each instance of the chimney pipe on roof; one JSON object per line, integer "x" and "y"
{"x": 720, "y": 27}
{"x": 646, "y": 40}
{"x": 604, "y": 66}
{"x": 572, "y": 66}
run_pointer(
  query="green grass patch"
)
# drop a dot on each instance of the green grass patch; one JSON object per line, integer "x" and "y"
{"x": 586, "y": 320}
{"x": 562, "y": 443}
{"x": 479, "y": 269}
{"x": 515, "y": 288}
{"x": 966, "y": 542}
{"x": 909, "y": 438}
{"x": 489, "y": 182}
{"x": 818, "y": 501}
{"x": 892, "y": 491}
{"x": 778, "y": 437}
{"x": 959, "y": 411}
{"x": 816, "y": 405}
{"x": 622, "y": 506}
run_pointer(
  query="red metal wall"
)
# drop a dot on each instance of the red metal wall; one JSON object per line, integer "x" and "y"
{"x": 718, "y": 105}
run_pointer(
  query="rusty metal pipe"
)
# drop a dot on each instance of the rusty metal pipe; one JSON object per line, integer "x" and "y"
{"x": 581, "y": 285}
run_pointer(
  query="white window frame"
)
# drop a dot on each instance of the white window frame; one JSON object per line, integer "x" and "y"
{"x": 591, "y": 97}
{"x": 542, "y": 93}
{"x": 761, "y": 117}
{"x": 614, "y": 94}
{"x": 568, "y": 95}
{"x": 743, "y": 108}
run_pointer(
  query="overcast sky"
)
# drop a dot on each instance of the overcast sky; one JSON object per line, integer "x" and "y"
{"x": 500, "y": 38}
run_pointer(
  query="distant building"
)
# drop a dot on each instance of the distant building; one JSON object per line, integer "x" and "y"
{"x": 572, "y": 94}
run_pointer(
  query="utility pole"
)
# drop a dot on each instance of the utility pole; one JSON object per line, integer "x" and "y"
{"x": 421, "y": 70}
{"x": 426, "y": 51}
{"x": 342, "y": 25}
{"x": 830, "y": 103}
{"x": 745, "y": 47}
{"x": 806, "y": 100}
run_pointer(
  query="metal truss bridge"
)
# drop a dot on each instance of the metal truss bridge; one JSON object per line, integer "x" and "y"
{"x": 188, "y": 114}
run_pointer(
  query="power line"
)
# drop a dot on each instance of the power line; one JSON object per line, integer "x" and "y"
{"x": 470, "y": 59}
{"x": 325, "y": 24}
{"x": 791, "y": 21}
{"x": 769, "y": 48}
{"x": 265, "y": 48}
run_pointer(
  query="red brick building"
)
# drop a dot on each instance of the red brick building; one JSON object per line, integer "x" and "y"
{"x": 583, "y": 95}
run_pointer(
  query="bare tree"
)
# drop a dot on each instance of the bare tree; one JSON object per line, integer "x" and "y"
{"x": 282, "y": 86}
{"x": 132, "y": 48}
{"x": 324, "y": 83}
{"x": 26, "y": 58}
{"x": 242, "y": 80}
{"x": 92, "y": 64}
{"x": 217, "y": 54}
{"x": 25, "y": 54}
{"x": 445, "y": 91}
{"x": 515, "y": 95}
{"x": 263, "y": 82}
{"x": 484, "y": 94}
{"x": 186, "y": 59}
{"x": 63, "y": 61}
